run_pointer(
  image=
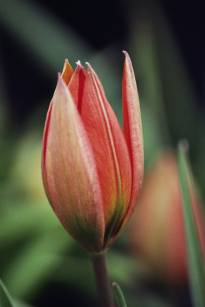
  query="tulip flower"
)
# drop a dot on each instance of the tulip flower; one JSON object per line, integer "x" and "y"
{"x": 92, "y": 169}
{"x": 157, "y": 232}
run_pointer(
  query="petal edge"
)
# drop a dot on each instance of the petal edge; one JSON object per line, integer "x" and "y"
{"x": 132, "y": 127}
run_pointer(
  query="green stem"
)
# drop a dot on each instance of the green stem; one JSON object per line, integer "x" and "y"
{"x": 102, "y": 280}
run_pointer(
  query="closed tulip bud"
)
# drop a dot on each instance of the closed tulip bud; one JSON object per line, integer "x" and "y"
{"x": 157, "y": 231}
{"x": 92, "y": 169}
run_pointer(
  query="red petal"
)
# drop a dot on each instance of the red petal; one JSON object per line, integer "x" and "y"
{"x": 107, "y": 141}
{"x": 132, "y": 129}
{"x": 69, "y": 172}
{"x": 76, "y": 85}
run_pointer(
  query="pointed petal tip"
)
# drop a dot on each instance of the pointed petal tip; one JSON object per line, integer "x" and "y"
{"x": 66, "y": 62}
{"x": 127, "y": 60}
{"x": 78, "y": 63}
{"x": 126, "y": 54}
{"x": 79, "y": 69}
{"x": 90, "y": 68}
{"x": 67, "y": 71}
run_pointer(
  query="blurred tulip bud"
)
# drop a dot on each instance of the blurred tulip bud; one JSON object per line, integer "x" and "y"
{"x": 92, "y": 170}
{"x": 157, "y": 232}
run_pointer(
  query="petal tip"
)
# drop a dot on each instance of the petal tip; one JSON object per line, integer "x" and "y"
{"x": 67, "y": 71}
{"x": 89, "y": 68}
{"x": 66, "y": 63}
{"x": 127, "y": 60}
{"x": 78, "y": 63}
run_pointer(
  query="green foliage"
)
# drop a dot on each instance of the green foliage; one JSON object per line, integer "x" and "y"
{"x": 118, "y": 295}
{"x": 31, "y": 21}
{"x": 5, "y": 299}
{"x": 195, "y": 258}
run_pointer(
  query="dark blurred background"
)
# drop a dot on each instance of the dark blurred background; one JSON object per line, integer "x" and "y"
{"x": 166, "y": 42}
{"x": 101, "y": 25}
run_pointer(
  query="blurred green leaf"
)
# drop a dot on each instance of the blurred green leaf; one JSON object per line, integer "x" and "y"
{"x": 42, "y": 33}
{"x": 5, "y": 298}
{"x": 145, "y": 60}
{"x": 21, "y": 221}
{"x": 164, "y": 81}
{"x": 28, "y": 157}
{"x": 195, "y": 258}
{"x": 36, "y": 263}
{"x": 3, "y": 102}
{"x": 5, "y": 144}
{"x": 122, "y": 267}
{"x": 178, "y": 89}
{"x": 20, "y": 304}
{"x": 75, "y": 271}
{"x": 118, "y": 295}
{"x": 152, "y": 135}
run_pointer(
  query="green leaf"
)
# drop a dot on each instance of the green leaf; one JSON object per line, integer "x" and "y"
{"x": 118, "y": 295}
{"x": 35, "y": 264}
{"x": 5, "y": 299}
{"x": 144, "y": 47}
{"x": 195, "y": 258}
{"x": 21, "y": 304}
{"x": 42, "y": 34}
{"x": 179, "y": 94}
{"x": 33, "y": 220}
{"x": 122, "y": 267}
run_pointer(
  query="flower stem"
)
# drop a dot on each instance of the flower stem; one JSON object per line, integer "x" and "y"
{"x": 102, "y": 280}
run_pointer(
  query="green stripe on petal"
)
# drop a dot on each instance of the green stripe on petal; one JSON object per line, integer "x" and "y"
{"x": 114, "y": 221}
{"x": 85, "y": 234}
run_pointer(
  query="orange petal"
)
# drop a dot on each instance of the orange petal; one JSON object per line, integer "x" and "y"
{"x": 107, "y": 141}
{"x": 67, "y": 72}
{"x": 132, "y": 129}
{"x": 69, "y": 172}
